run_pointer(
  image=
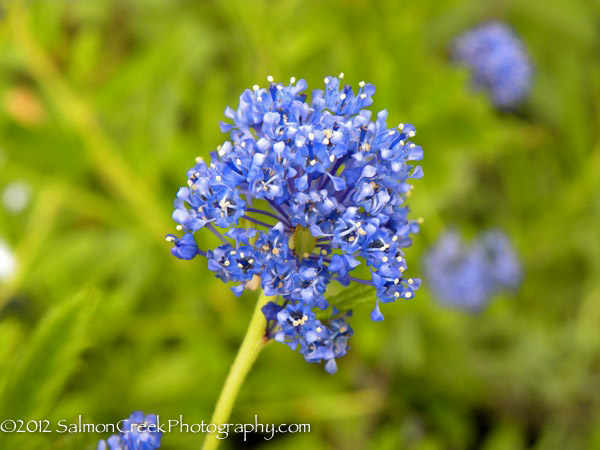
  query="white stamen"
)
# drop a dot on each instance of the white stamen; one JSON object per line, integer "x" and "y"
{"x": 325, "y": 141}
{"x": 255, "y": 87}
{"x": 218, "y": 178}
{"x": 361, "y": 84}
{"x": 270, "y": 79}
{"x": 326, "y": 80}
{"x": 331, "y": 158}
{"x": 363, "y": 96}
{"x": 343, "y": 97}
{"x": 341, "y": 74}
{"x": 401, "y": 126}
{"x": 407, "y": 295}
{"x": 292, "y": 80}
{"x": 311, "y": 136}
{"x": 179, "y": 228}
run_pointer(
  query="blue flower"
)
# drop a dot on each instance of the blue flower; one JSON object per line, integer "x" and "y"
{"x": 501, "y": 259}
{"x": 139, "y": 432}
{"x": 321, "y": 343}
{"x": 301, "y": 194}
{"x": 498, "y": 61}
{"x": 467, "y": 276}
{"x": 185, "y": 247}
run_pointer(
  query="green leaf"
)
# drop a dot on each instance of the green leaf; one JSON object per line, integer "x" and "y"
{"x": 350, "y": 298}
{"x": 48, "y": 359}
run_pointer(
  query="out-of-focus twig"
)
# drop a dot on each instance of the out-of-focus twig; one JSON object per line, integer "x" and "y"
{"x": 43, "y": 218}
{"x": 75, "y": 111}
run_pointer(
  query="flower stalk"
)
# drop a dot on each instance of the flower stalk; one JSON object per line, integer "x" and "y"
{"x": 254, "y": 341}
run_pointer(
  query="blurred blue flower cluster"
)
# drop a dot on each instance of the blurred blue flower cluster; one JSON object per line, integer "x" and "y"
{"x": 139, "y": 433}
{"x": 466, "y": 276}
{"x": 498, "y": 61}
{"x": 306, "y": 191}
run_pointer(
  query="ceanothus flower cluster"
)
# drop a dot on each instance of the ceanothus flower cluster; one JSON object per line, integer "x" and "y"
{"x": 300, "y": 195}
{"x": 138, "y": 432}
{"x": 467, "y": 276}
{"x": 498, "y": 61}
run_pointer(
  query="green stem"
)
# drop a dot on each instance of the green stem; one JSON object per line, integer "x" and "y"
{"x": 251, "y": 346}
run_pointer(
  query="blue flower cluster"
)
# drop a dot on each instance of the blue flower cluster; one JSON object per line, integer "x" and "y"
{"x": 303, "y": 192}
{"x": 467, "y": 276}
{"x": 139, "y": 432}
{"x": 498, "y": 61}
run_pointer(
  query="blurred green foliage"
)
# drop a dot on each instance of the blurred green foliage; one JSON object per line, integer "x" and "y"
{"x": 105, "y": 104}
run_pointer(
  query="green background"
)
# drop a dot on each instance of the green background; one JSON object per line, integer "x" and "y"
{"x": 105, "y": 104}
